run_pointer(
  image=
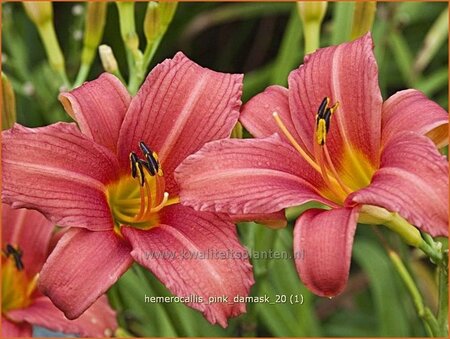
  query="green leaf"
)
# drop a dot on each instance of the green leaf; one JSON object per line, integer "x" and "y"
{"x": 392, "y": 320}
{"x": 290, "y": 51}
{"x": 402, "y": 56}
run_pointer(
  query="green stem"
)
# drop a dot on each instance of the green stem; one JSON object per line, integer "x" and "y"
{"x": 150, "y": 51}
{"x": 82, "y": 75}
{"x": 442, "y": 315}
{"x": 424, "y": 312}
{"x": 411, "y": 235}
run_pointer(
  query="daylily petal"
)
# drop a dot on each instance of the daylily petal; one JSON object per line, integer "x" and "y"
{"x": 271, "y": 220}
{"x": 246, "y": 177}
{"x": 221, "y": 267}
{"x": 257, "y": 118}
{"x": 99, "y": 107}
{"x": 29, "y": 230}
{"x": 323, "y": 243}
{"x": 413, "y": 181}
{"x": 180, "y": 107}
{"x": 82, "y": 267}
{"x": 15, "y": 330}
{"x": 348, "y": 74}
{"x": 411, "y": 110}
{"x": 60, "y": 172}
{"x": 98, "y": 320}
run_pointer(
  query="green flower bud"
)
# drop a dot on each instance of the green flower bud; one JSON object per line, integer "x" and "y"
{"x": 8, "y": 103}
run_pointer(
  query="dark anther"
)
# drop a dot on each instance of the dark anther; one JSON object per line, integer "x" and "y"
{"x": 133, "y": 161}
{"x": 324, "y": 112}
{"x": 17, "y": 255}
{"x": 136, "y": 167}
{"x": 152, "y": 162}
{"x": 322, "y": 108}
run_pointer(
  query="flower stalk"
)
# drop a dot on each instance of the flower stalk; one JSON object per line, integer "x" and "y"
{"x": 41, "y": 14}
{"x": 411, "y": 235}
{"x": 431, "y": 324}
{"x": 311, "y": 14}
{"x": 442, "y": 315}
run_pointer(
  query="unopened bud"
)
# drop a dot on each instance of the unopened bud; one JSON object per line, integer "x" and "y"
{"x": 109, "y": 62}
{"x": 312, "y": 10}
{"x": 127, "y": 25}
{"x": 8, "y": 103}
{"x": 311, "y": 14}
{"x": 157, "y": 19}
{"x": 39, "y": 12}
{"x": 95, "y": 24}
{"x": 237, "y": 131}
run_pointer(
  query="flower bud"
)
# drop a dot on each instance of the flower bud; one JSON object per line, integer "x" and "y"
{"x": 363, "y": 18}
{"x": 109, "y": 62}
{"x": 157, "y": 19}
{"x": 95, "y": 24}
{"x": 237, "y": 132}
{"x": 127, "y": 25}
{"x": 39, "y": 12}
{"x": 312, "y": 10}
{"x": 8, "y": 103}
{"x": 311, "y": 14}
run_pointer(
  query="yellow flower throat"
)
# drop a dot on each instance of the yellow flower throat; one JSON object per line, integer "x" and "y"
{"x": 338, "y": 185}
{"x": 136, "y": 199}
{"x": 17, "y": 287}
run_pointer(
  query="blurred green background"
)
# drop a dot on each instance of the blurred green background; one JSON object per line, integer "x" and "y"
{"x": 265, "y": 42}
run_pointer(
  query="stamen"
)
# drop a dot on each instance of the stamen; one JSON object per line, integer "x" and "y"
{"x": 151, "y": 189}
{"x": 323, "y": 118}
{"x": 16, "y": 254}
{"x": 294, "y": 143}
{"x": 152, "y": 159}
{"x": 136, "y": 168}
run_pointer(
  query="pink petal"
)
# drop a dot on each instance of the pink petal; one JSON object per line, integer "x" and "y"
{"x": 323, "y": 243}
{"x": 60, "y": 172}
{"x": 99, "y": 107}
{"x": 347, "y": 73}
{"x": 98, "y": 320}
{"x": 15, "y": 330}
{"x": 413, "y": 181}
{"x": 221, "y": 268}
{"x": 257, "y": 113}
{"x": 247, "y": 177}
{"x": 29, "y": 230}
{"x": 180, "y": 107}
{"x": 271, "y": 220}
{"x": 82, "y": 267}
{"x": 411, "y": 110}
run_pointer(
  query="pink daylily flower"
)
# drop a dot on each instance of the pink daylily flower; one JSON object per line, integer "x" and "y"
{"x": 333, "y": 140}
{"x": 26, "y": 242}
{"x": 112, "y": 183}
